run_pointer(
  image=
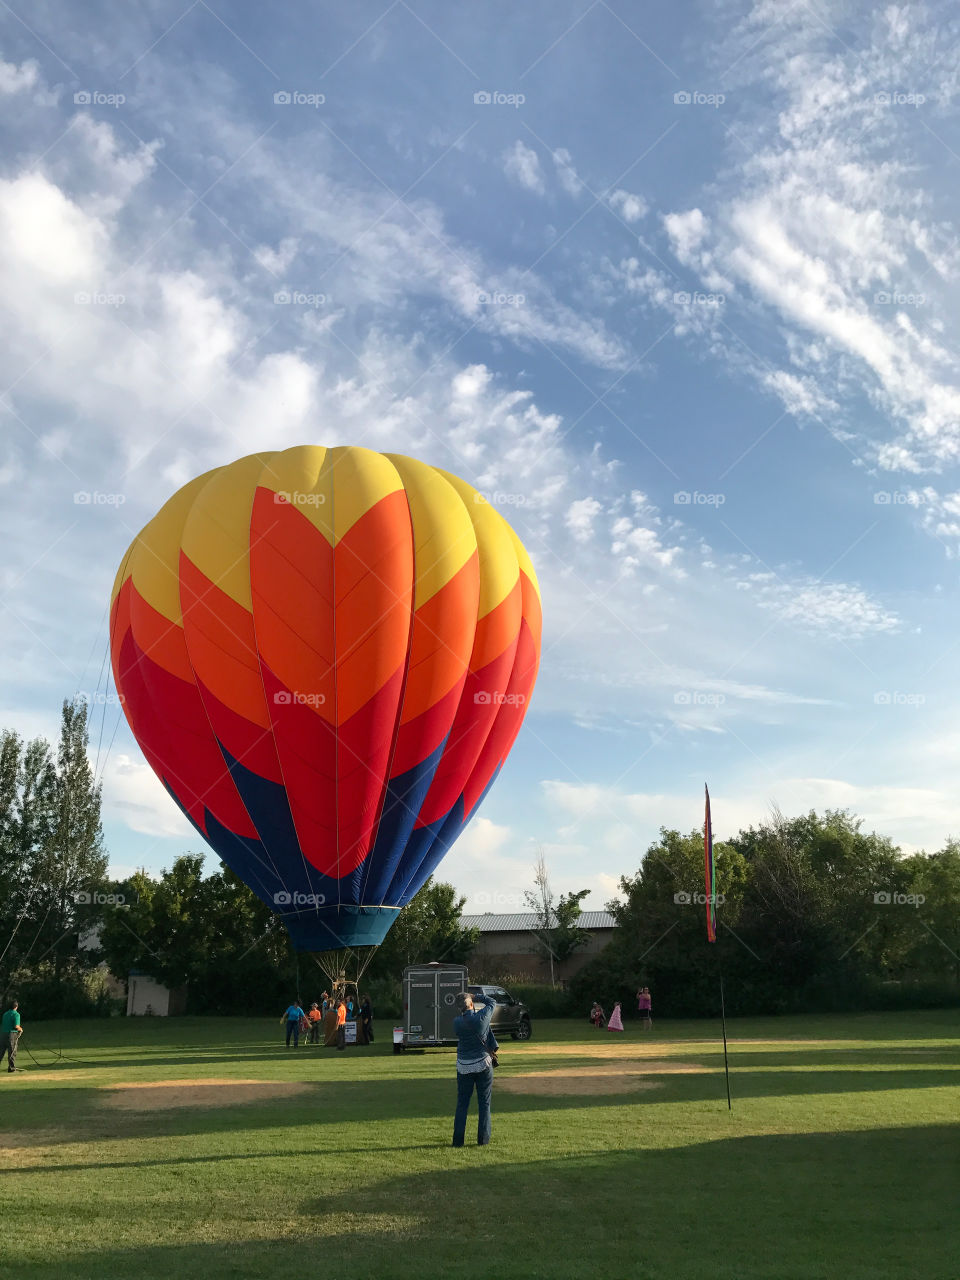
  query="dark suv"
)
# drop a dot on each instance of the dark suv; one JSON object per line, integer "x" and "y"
{"x": 510, "y": 1015}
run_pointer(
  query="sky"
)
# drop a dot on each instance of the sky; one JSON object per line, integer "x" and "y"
{"x": 675, "y": 287}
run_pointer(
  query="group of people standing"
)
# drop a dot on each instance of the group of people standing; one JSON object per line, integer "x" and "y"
{"x": 328, "y": 1018}
{"x": 644, "y": 1011}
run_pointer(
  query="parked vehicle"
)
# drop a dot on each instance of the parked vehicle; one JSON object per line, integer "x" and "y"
{"x": 510, "y": 1017}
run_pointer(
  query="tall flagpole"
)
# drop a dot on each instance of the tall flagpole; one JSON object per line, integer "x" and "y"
{"x": 710, "y": 893}
{"x": 723, "y": 1024}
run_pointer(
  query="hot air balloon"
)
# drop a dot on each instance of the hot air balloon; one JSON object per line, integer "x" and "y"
{"x": 325, "y": 654}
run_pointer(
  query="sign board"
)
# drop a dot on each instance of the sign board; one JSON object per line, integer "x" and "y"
{"x": 350, "y": 1033}
{"x": 398, "y": 1035}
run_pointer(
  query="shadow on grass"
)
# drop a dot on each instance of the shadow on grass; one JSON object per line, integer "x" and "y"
{"x": 877, "y": 1204}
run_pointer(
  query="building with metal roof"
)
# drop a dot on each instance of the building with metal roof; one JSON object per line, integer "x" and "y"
{"x": 508, "y": 948}
{"x": 491, "y": 922}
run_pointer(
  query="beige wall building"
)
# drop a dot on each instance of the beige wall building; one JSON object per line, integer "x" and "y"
{"x": 508, "y": 946}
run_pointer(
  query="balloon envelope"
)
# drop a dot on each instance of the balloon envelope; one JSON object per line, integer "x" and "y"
{"x": 326, "y": 656}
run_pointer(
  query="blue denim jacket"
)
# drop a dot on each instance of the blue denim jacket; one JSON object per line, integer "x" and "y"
{"x": 475, "y": 1040}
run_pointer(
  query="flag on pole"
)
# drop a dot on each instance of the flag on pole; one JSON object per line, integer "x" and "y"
{"x": 708, "y": 876}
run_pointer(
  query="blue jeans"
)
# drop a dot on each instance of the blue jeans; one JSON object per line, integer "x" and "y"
{"x": 293, "y": 1029}
{"x": 483, "y": 1082}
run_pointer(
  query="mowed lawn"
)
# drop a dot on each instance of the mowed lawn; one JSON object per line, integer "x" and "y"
{"x": 612, "y": 1155}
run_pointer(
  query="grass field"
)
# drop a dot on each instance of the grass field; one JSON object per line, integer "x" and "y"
{"x": 611, "y": 1155}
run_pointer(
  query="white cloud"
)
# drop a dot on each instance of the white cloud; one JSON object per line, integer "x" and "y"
{"x": 686, "y": 232}
{"x": 638, "y": 544}
{"x": 799, "y": 395}
{"x": 14, "y": 79}
{"x": 134, "y": 795}
{"x": 629, "y": 206}
{"x": 624, "y": 824}
{"x": 566, "y": 173}
{"x": 522, "y": 164}
{"x": 580, "y": 517}
{"x": 840, "y": 610}
{"x": 278, "y": 260}
{"x": 821, "y": 230}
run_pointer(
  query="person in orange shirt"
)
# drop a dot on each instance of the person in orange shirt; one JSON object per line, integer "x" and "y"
{"x": 341, "y": 1022}
{"x": 315, "y": 1018}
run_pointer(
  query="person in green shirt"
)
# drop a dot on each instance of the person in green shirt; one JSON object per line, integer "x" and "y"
{"x": 10, "y": 1032}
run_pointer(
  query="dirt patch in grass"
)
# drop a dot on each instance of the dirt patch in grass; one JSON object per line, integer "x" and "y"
{"x": 606, "y": 1079}
{"x": 585, "y": 1081}
{"x": 623, "y": 1050}
{"x": 24, "y": 1139}
{"x": 167, "y": 1095}
{"x": 65, "y": 1073}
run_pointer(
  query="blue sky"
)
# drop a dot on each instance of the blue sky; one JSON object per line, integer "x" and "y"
{"x": 681, "y": 297}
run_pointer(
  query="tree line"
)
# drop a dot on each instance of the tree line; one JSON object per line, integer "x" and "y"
{"x": 814, "y": 914}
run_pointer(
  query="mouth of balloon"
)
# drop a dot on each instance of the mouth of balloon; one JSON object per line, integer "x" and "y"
{"x": 330, "y": 928}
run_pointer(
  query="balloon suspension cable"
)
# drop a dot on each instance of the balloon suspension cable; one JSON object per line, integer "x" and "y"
{"x": 345, "y": 966}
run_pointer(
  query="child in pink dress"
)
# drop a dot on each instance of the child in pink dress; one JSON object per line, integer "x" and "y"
{"x": 616, "y": 1022}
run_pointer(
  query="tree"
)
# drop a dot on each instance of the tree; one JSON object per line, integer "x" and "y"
{"x": 69, "y": 862}
{"x": 427, "y": 928}
{"x": 557, "y": 932}
{"x": 935, "y": 921}
{"x": 210, "y": 934}
{"x": 660, "y": 940}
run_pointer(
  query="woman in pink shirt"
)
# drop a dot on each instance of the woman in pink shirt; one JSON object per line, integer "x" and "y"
{"x": 644, "y": 1007}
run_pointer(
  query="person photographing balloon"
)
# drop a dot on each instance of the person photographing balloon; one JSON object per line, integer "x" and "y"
{"x": 476, "y": 1058}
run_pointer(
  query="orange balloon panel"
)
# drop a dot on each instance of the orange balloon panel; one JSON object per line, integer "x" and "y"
{"x": 326, "y": 656}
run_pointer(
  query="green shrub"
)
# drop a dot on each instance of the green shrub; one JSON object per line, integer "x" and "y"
{"x": 44, "y": 998}
{"x": 542, "y": 1000}
{"x": 386, "y": 998}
